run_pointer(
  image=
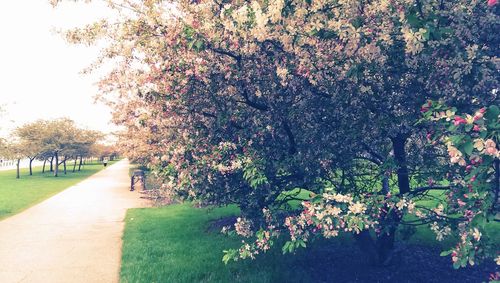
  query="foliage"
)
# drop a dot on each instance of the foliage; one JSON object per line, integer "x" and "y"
{"x": 471, "y": 142}
{"x": 241, "y": 102}
{"x": 44, "y": 139}
{"x": 471, "y": 201}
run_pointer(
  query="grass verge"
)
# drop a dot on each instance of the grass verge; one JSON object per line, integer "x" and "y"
{"x": 17, "y": 195}
{"x": 174, "y": 244}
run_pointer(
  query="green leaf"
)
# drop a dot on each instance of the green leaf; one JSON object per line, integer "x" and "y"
{"x": 468, "y": 127}
{"x": 492, "y": 113}
{"x": 426, "y": 35}
{"x": 285, "y": 247}
{"x": 188, "y": 32}
{"x": 445, "y": 253}
{"x": 229, "y": 255}
{"x": 483, "y": 134}
{"x": 199, "y": 45}
{"x": 456, "y": 138}
{"x": 468, "y": 147}
{"x": 414, "y": 21}
{"x": 452, "y": 128}
{"x": 463, "y": 262}
{"x": 357, "y": 22}
{"x": 191, "y": 43}
{"x": 479, "y": 220}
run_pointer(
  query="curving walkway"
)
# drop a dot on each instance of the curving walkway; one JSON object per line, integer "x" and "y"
{"x": 74, "y": 236}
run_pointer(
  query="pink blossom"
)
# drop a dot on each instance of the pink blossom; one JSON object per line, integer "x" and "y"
{"x": 492, "y": 3}
{"x": 460, "y": 202}
{"x": 478, "y": 116}
{"x": 459, "y": 120}
{"x": 491, "y": 151}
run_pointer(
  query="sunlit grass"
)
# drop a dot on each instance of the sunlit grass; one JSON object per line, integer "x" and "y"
{"x": 172, "y": 244}
{"x": 19, "y": 194}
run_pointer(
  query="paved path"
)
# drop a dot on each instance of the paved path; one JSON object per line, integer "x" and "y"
{"x": 74, "y": 236}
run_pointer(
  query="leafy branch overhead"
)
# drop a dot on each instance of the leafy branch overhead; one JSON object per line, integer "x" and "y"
{"x": 248, "y": 102}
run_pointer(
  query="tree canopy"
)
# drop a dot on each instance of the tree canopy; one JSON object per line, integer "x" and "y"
{"x": 51, "y": 139}
{"x": 244, "y": 101}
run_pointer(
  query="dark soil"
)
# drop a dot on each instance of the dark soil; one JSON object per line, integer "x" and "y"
{"x": 218, "y": 224}
{"x": 346, "y": 263}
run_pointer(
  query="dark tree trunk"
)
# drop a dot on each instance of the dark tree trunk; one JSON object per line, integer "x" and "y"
{"x": 43, "y": 168}
{"x": 367, "y": 245}
{"x": 80, "y": 165}
{"x": 31, "y": 168}
{"x": 381, "y": 251}
{"x": 74, "y": 165}
{"x": 386, "y": 240}
{"x": 56, "y": 170}
{"x": 51, "y": 164}
{"x": 64, "y": 164}
{"x": 496, "y": 185}
{"x": 17, "y": 169}
{"x": 385, "y": 185}
{"x": 398, "y": 145}
{"x": 391, "y": 220}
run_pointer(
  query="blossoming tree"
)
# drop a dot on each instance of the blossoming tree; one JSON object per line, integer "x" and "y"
{"x": 244, "y": 101}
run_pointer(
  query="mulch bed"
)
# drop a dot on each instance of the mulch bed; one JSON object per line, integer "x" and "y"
{"x": 218, "y": 224}
{"x": 345, "y": 263}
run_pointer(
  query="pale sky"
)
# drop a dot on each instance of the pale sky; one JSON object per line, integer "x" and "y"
{"x": 40, "y": 73}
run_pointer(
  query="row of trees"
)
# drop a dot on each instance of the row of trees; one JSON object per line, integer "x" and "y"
{"x": 241, "y": 102}
{"x": 55, "y": 142}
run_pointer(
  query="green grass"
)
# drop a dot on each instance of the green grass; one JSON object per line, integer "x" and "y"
{"x": 17, "y": 195}
{"x": 424, "y": 236}
{"x": 172, "y": 244}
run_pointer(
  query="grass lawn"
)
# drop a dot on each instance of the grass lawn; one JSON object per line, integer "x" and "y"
{"x": 174, "y": 244}
{"x": 19, "y": 194}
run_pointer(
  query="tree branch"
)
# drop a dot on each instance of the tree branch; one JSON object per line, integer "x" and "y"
{"x": 419, "y": 190}
{"x": 291, "y": 138}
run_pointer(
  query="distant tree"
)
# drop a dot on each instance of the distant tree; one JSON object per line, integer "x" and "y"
{"x": 82, "y": 146}
{"x": 58, "y": 140}
{"x": 101, "y": 151}
{"x": 13, "y": 150}
{"x": 47, "y": 156}
{"x": 2, "y": 145}
{"x": 30, "y": 137}
{"x": 3, "y": 148}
